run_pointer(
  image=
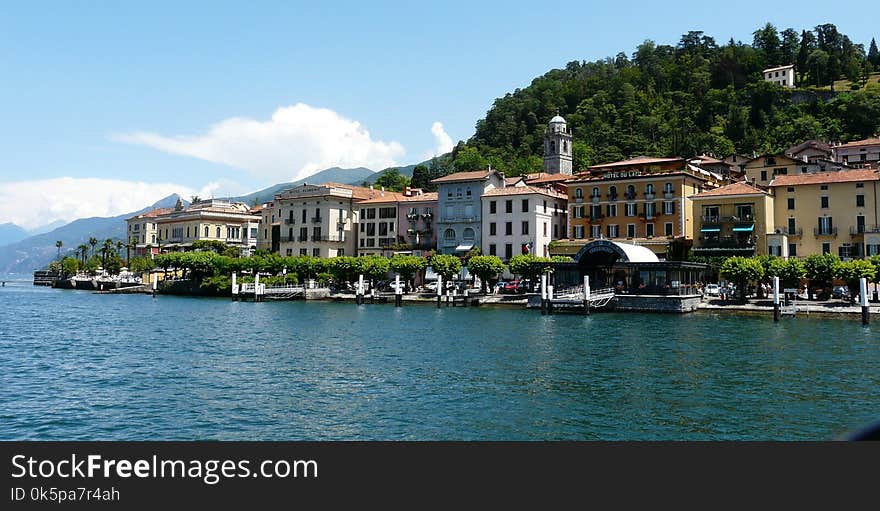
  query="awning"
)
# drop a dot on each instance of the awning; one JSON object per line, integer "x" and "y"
{"x": 710, "y": 229}
{"x": 744, "y": 228}
{"x": 464, "y": 248}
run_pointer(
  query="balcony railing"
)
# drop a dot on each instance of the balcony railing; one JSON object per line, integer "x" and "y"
{"x": 596, "y": 218}
{"x": 790, "y": 232}
{"x": 825, "y": 231}
{"x": 649, "y": 195}
{"x": 317, "y": 219}
{"x": 712, "y": 219}
{"x": 448, "y": 243}
{"x": 302, "y": 238}
{"x": 612, "y": 197}
{"x": 579, "y": 199}
{"x": 862, "y": 229}
{"x": 725, "y": 243}
{"x": 742, "y": 219}
{"x": 648, "y": 216}
{"x": 339, "y": 238}
{"x": 630, "y": 196}
{"x": 668, "y": 195}
{"x": 289, "y": 221}
{"x": 595, "y": 198}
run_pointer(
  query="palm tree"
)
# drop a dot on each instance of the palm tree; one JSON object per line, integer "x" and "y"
{"x": 119, "y": 245}
{"x": 93, "y": 241}
{"x": 107, "y": 247}
{"x": 83, "y": 250}
{"x": 58, "y": 245}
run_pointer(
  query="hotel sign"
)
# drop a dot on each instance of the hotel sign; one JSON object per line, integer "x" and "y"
{"x": 622, "y": 174}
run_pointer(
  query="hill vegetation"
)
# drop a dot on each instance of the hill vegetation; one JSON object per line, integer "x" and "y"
{"x": 697, "y": 96}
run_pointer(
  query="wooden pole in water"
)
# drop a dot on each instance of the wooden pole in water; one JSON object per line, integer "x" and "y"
{"x": 257, "y": 286}
{"x": 549, "y": 295}
{"x": 543, "y": 294}
{"x": 359, "y": 292}
{"x": 398, "y": 296}
{"x": 776, "y": 299}
{"x": 863, "y": 298}
{"x": 587, "y": 294}
{"x": 234, "y": 286}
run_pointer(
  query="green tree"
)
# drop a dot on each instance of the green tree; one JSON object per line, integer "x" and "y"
{"x": 69, "y": 266}
{"x": 820, "y": 271}
{"x": 485, "y": 267}
{"x": 447, "y": 266}
{"x": 375, "y": 267}
{"x": 141, "y": 264}
{"x": 407, "y": 266}
{"x": 469, "y": 159}
{"x": 216, "y": 246}
{"x": 852, "y": 272}
{"x": 874, "y": 54}
{"x": 790, "y": 271}
{"x": 93, "y": 242}
{"x": 529, "y": 267}
{"x": 392, "y": 180}
{"x": 421, "y": 177}
{"x": 742, "y": 271}
{"x": 346, "y": 269}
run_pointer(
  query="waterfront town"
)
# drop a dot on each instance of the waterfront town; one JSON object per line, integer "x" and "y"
{"x": 643, "y": 227}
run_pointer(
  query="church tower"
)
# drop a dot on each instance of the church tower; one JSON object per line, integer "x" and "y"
{"x": 557, "y": 147}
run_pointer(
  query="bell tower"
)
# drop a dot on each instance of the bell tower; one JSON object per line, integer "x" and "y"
{"x": 557, "y": 147}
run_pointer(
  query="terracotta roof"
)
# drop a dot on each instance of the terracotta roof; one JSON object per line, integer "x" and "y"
{"x": 809, "y": 144}
{"x": 840, "y": 176}
{"x": 380, "y": 196}
{"x": 638, "y": 160}
{"x": 523, "y": 190}
{"x": 543, "y": 177}
{"x": 512, "y": 180}
{"x": 738, "y": 188}
{"x": 424, "y": 197}
{"x": 357, "y": 192}
{"x": 464, "y": 176}
{"x": 859, "y": 143}
{"x": 153, "y": 213}
{"x": 706, "y": 159}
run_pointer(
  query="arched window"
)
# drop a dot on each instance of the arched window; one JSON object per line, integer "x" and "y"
{"x": 630, "y": 191}
{"x": 667, "y": 188}
{"x": 154, "y": 239}
{"x": 564, "y": 146}
{"x": 187, "y": 231}
{"x": 612, "y": 191}
{"x": 206, "y": 231}
{"x": 218, "y": 232}
{"x": 595, "y": 192}
{"x": 578, "y": 193}
{"x": 449, "y": 234}
{"x": 649, "y": 188}
{"x": 468, "y": 234}
{"x": 552, "y": 146}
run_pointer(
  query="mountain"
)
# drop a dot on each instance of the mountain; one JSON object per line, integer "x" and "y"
{"x": 10, "y": 233}
{"x": 404, "y": 171}
{"x": 46, "y": 228}
{"x": 332, "y": 175}
{"x": 35, "y": 252}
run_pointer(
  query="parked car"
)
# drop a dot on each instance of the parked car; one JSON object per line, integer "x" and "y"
{"x": 713, "y": 290}
{"x": 840, "y": 292}
{"x": 510, "y": 287}
{"x": 523, "y": 286}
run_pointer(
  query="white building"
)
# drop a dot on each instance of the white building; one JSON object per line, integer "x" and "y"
{"x": 782, "y": 75}
{"x": 522, "y": 219}
{"x": 318, "y": 220}
{"x": 859, "y": 153}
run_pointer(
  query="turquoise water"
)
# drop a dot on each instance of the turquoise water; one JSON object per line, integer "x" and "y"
{"x": 77, "y": 365}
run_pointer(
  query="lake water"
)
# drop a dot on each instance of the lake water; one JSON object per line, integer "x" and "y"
{"x": 77, "y": 365}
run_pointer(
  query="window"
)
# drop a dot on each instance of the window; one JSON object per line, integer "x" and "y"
{"x": 792, "y": 250}
{"x": 595, "y": 231}
{"x": 860, "y": 224}
{"x": 371, "y": 213}
{"x": 630, "y": 209}
{"x": 595, "y": 212}
{"x": 468, "y": 193}
{"x": 508, "y": 250}
{"x": 578, "y": 193}
{"x": 630, "y": 230}
{"x": 791, "y": 203}
{"x": 860, "y": 201}
{"x": 823, "y": 202}
{"x": 385, "y": 212}
{"x": 469, "y": 234}
{"x": 763, "y": 175}
{"x": 492, "y": 249}
{"x": 289, "y": 251}
{"x": 525, "y": 227}
{"x": 579, "y": 232}
{"x": 650, "y": 210}
{"x": 449, "y": 234}
{"x": 508, "y": 206}
{"x": 206, "y": 231}
{"x": 362, "y": 243}
{"x": 612, "y": 192}
{"x": 823, "y": 187}
{"x": 631, "y": 192}
{"x": 492, "y": 228}
{"x": 304, "y": 215}
{"x": 860, "y": 185}
{"x": 649, "y": 189}
{"x": 305, "y": 251}
{"x": 383, "y": 229}
{"x": 525, "y": 205}
{"x": 669, "y": 208}
{"x": 316, "y": 232}
{"x": 493, "y": 207}
{"x": 458, "y": 192}
{"x": 555, "y": 231}
{"x": 218, "y": 232}
{"x": 781, "y": 171}
{"x": 667, "y": 188}
{"x": 667, "y": 227}
{"x": 790, "y": 189}
{"x": 316, "y": 252}
{"x": 744, "y": 211}
{"x": 595, "y": 194}
{"x": 545, "y": 207}
{"x": 545, "y": 228}
{"x": 612, "y": 210}
{"x": 826, "y": 248}
{"x": 612, "y": 231}
{"x": 791, "y": 226}
{"x": 825, "y": 225}
{"x": 508, "y": 228}
{"x": 371, "y": 229}
{"x": 649, "y": 230}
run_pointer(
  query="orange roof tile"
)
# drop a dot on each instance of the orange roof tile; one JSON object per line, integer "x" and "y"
{"x": 738, "y": 188}
{"x": 840, "y": 176}
{"x": 638, "y": 160}
{"x": 153, "y": 213}
{"x": 523, "y": 190}
{"x": 543, "y": 177}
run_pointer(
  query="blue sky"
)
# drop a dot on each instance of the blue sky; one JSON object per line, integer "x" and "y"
{"x": 147, "y": 97}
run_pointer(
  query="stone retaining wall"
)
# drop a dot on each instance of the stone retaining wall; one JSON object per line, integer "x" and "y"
{"x": 651, "y": 303}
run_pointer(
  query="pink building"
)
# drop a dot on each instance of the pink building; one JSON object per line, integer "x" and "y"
{"x": 417, "y": 226}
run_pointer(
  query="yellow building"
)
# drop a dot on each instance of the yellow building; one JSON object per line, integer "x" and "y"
{"x": 642, "y": 200}
{"x": 733, "y": 220}
{"x": 827, "y": 212}
{"x": 230, "y": 222}
{"x": 143, "y": 234}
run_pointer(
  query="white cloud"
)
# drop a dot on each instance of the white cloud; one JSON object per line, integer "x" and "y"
{"x": 442, "y": 141}
{"x": 31, "y": 204}
{"x": 296, "y": 142}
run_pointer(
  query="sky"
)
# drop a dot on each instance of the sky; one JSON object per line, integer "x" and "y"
{"x": 106, "y": 107}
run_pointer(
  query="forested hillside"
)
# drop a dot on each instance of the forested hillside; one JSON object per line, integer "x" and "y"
{"x": 697, "y": 96}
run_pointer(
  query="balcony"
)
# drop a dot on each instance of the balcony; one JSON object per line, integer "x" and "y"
{"x": 859, "y": 230}
{"x": 412, "y": 217}
{"x": 648, "y": 216}
{"x": 579, "y": 199}
{"x": 289, "y": 221}
{"x": 668, "y": 195}
{"x": 612, "y": 197}
{"x": 825, "y": 231}
{"x": 596, "y": 218}
{"x": 337, "y": 238}
{"x": 742, "y": 219}
{"x": 710, "y": 219}
{"x": 790, "y": 232}
{"x": 725, "y": 244}
{"x": 302, "y": 238}
{"x": 630, "y": 196}
{"x": 448, "y": 243}
{"x": 595, "y": 199}
{"x": 317, "y": 219}
{"x": 649, "y": 195}
{"x": 428, "y": 215}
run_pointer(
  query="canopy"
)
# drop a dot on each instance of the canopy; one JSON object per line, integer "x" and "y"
{"x": 464, "y": 248}
{"x": 744, "y": 228}
{"x": 710, "y": 229}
